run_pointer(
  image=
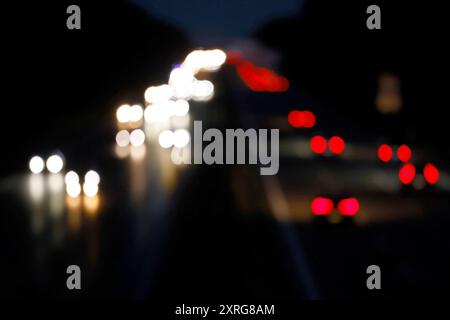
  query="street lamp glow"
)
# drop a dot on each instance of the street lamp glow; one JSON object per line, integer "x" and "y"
{"x": 36, "y": 164}
{"x": 54, "y": 163}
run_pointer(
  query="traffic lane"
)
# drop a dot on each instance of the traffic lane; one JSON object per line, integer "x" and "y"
{"x": 380, "y": 195}
{"x": 409, "y": 248}
{"x": 218, "y": 252}
{"x": 107, "y": 235}
{"x": 411, "y": 254}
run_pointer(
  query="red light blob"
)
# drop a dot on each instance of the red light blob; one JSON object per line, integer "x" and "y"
{"x": 309, "y": 119}
{"x": 385, "y": 153}
{"x": 336, "y": 145}
{"x": 404, "y": 153}
{"x": 299, "y": 119}
{"x": 318, "y": 144}
{"x": 407, "y": 173}
{"x": 295, "y": 119}
{"x": 322, "y": 206}
{"x": 431, "y": 173}
{"x": 348, "y": 207}
{"x": 259, "y": 78}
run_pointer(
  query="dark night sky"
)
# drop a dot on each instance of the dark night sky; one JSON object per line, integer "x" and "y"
{"x": 214, "y": 22}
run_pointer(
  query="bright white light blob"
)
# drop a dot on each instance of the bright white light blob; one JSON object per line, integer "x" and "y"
{"x": 123, "y": 138}
{"x": 181, "y": 80}
{"x": 166, "y": 139}
{"x": 203, "y": 90}
{"x": 71, "y": 177}
{"x": 135, "y": 113}
{"x": 193, "y": 61}
{"x": 137, "y": 137}
{"x": 158, "y": 94}
{"x": 91, "y": 177}
{"x": 209, "y": 60}
{"x": 216, "y": 58}
{"x": 123, "y": 113}
{"x": 160, "y": 112}
{"x": 181, "y": 108}
{"x": 73, "y": 189}
{"x": 90, "y": 189}
{"x": 181, "y": 138}
{"x": 181, "y": 76}
{"x": 168, "y": 109}
{"x": 36, "y": 164}
{"x": 55, "y": 163}
{"x": 151, "y": 114}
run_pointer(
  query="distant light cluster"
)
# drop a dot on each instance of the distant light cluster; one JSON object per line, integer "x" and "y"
{"x": 165, "y": 117}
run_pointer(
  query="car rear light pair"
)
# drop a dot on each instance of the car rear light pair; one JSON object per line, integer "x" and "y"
{"x": 324, "y": 206}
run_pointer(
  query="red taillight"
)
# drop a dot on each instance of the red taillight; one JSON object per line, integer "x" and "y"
{"x": 336, "y": 145}
{"x": 295, "y": 119}
{"x": 322, "y": 206}
{"x": 404, "y": 153}
{"x": 318, "y": 144}
{"x": 431, "y": 173}
{"x": 407, "y": 173}
{"x": 348, "y": 207}
{"x": 301, "y": 119}
{"x": 385, "y": 153}
{"x": 309, "y": 119}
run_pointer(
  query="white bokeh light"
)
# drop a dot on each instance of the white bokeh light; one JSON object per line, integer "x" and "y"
{"x": 160, "y": 112}
{"x": 137, "y": 137}
{"x": 203, "y": 90}
{"x": 54, "y": 163}
{"x": 181, "y": 108}
{"x": 123, "y": 113}
{"x": 90, "y": 189}
{"x": 73, "y": 189}
{"x": 123, "y": 138}
{"x": 158, "y": 94}
{"x": 71, "y": 177}
{"x": 209, "y": 60}
{"x": 135, "y": 113}
{"x": 166, "y": 139}
{"x": 181, "y": 80}
{"x": 181, "y": 138}
{"x": 91, "y": 177}
{"x": 36, "y": 164}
